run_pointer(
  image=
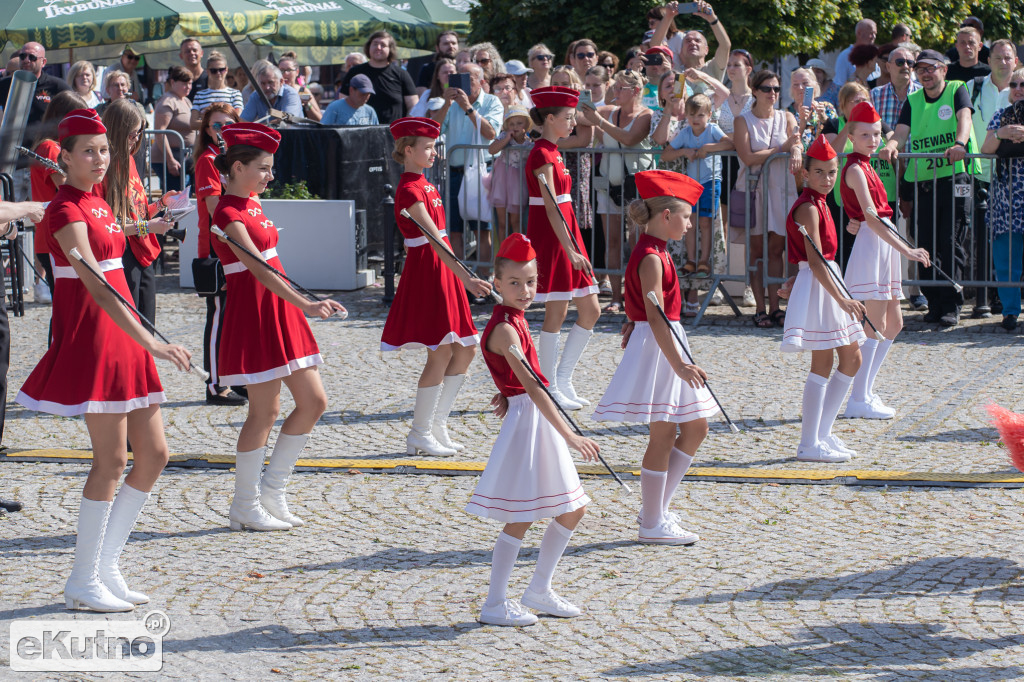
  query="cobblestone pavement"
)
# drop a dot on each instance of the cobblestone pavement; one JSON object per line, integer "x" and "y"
{"x": 938, "y": 381}
{"x": 787, "y": 582}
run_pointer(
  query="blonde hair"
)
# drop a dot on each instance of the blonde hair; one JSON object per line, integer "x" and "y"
{"x": 642, "y": 210}
{"x": 698, "y": 103}
{"x": 76, "y": 70}
{"x": 112, "y": 76}
{"x": 574, "y": 77}
{"x": 216, "y": 56}
{"x": 810, "y": 76}
{"x": 847, "y": 92}
{"x": 401, "y": 144}
{"x": 969, "y": 29}
{"x": 633, "y": 79}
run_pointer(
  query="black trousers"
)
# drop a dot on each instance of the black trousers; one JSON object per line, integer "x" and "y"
{"x": 211, "y": 337}
{"x": 943, "y": 230}
{"x": 5, "y": 362}
{"x": 142, "y": 284}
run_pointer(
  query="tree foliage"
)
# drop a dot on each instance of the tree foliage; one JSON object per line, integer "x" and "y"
{"x": 767, "y": 28}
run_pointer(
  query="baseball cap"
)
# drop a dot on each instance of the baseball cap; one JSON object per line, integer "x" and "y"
{"x": 361, "y": 82}
{"x": 932, "y": 57}
{"x": 514, "y": 67}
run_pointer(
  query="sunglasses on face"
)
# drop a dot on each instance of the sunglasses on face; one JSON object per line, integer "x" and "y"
{"x": 132, "y": 57}
{"x": 769, "y": 88}
{"x": 608, "y": 65}
{"x": 904, "y": 62}
{"x": 1016, "y": 84}
{"x": 585, "y": 55}
{"x": 27, "y": 55}
{"x": 222, "y": 69}
{"x": 543, "y": 57}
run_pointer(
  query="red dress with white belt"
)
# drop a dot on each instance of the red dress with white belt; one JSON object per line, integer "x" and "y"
{"x": 430, "y": 307}
{"x": 530, "y": 474}
{"x": 265, "y": 337}
{"x": 556, "y": 278}
{"x": 92, "y": 365}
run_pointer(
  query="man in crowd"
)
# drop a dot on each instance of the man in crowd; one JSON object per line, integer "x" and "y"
{"x": 394, "y": 93}
{"x": 353, "y": 110}
{"x": 129, "y": 64}
{"x": 889, "y": 98}
{"x": 692, "y": 50}
{"x": 937, "y": 119}
{"x": 865, "y": 32}
{"x": 968, "y": 48}
{"x": 191, "y": 54}
{"x": 422, "y": 68}
{"x": 901, "y": 34}
{"x": 973, "y": 22}
{"x": 282, "y": 96}
{"x": 462, "y": 113}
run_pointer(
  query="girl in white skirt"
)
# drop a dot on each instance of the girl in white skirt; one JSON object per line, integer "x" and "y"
{"x": 530, "y": 474}
{"x": 873, "y": 270}
{"x": 820, "y": 317}
{"x": 654, "y": 383}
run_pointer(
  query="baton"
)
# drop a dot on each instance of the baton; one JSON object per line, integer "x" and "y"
{"x": 441, "y": 245}
{"x": 514, "y": 350}
{"x": 41, "y": 160}
{"x": 892, "y": 228}
{"x": 835, "y": 278}
{"x": 654, "y": 299}
{"x": 218, "y": 138}
{"x": 542, "y": 179}
{"x": 342, "y": 314}
{"x": 76, "y": 254}
{"x": 17, "y": 247}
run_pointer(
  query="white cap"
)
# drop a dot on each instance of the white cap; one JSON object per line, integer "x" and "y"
{"x": 819, "y": 64}
{"x": 514, "y": 67}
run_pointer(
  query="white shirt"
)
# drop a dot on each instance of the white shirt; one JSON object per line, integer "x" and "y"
{"x": 990, "y": 100}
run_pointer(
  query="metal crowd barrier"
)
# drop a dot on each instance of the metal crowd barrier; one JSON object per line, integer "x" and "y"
{"x": 970, "y": 241}
{"x": 145, "y": 163}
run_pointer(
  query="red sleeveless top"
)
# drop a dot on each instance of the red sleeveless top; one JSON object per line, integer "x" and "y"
{"x": 635, "y": 295}
{"x": 504, "y": 378}
{"x": 826, "y": 228}
{"x": 875, "y": 188}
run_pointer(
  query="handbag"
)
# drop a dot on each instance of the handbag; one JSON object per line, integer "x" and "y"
{"x": 207, "y": 276}
{"x": 616, "y": 167}
{"x": 473, "y": 203}
{"x": 738, "y": 197}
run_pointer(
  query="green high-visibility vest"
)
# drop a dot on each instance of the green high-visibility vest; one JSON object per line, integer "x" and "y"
{"x": 885, "y": 170}
{"x": 933, "y": 130}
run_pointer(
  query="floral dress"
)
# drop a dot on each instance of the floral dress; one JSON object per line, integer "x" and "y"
{"x": 1006, "y": 192}
{"x": 812, "y": 129}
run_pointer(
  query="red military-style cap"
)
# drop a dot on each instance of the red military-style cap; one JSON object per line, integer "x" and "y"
{"x": 251, "y": 135}
{"x": 663, "y": 50}
{"x": 80, "y": 122}
{"x": 821, "y": 150}
{"x": 663, "y": 183}
{"x": 518, "y": 248}
{"x": 415, "y": 126}
{"x": 554, "y": 96}
{"x": 864, "y": 113}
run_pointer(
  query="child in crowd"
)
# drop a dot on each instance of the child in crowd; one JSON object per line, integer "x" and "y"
{"x": 820, "y": 318}
{"x": 530, "y": 473}
{"x": 697, "y": 142}
{"x": 508, "y": 178}
{"x": 654, "y": 383}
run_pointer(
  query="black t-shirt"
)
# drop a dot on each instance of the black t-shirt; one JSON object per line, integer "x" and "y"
{"x": 954, "y": 56}
{"x": 46, "y": 87}
{"x": 955, "y": 72}
{"x": 392, "y": 83}
{"x": 961, "y": 100}
{"x": 417, "y": 67}
{"x": 198, "y": 84}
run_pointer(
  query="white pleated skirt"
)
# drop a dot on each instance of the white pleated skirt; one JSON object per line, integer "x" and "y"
{"x": 873, "y": 272}
{"x": 530, "y": 474}
{"x": 814, "y": 320}
{"x": 646, "y": 389}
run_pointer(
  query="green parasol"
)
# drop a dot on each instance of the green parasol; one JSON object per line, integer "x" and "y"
{"x": 450, "y": 15}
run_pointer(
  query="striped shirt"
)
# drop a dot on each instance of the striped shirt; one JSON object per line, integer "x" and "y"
{"x": 204, "y": 98}
{"x": 887, "y": 103}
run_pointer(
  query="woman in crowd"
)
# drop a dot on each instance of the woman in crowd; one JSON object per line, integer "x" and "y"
{"x": 865, "y": 60}
{"x": 487, "y": 57}
{"x": 760, "y": 133}
{"x": 503, "y": 86}
{"x": 1006, "y": 201}
{"x": 290, "y": 73}
{"x": 609, "y": 60}
{"x": 823, "y": 74}
{"x": 596, "y": 82}
{"x": 431, "y": 98}
{"x": 738, "y": 103}
{"x": 625, "y": 123}
{"x": 82, "y": 79}
{"x": 173, "y": 112}
{"x": 811, "y": 119}
{"x": 539, "y": 59}
{"x": 217, "y": 89}
{"x": 123, "y": 190}
{"x": 583, "y": 56}
{"x": 116, "y": 85}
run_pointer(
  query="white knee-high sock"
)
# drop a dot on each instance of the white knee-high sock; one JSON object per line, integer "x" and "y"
{"x": 503, "y": 560}
{"x": 814, "y": 399}
{"x": 834, "y": 395}
{"x": 547, "y": 355}
{"x": 556, "y": 539}
{"x": 678, "y": 464}
{"x": 860, "y": 381}
{"x": 652, "y": 493}
{"x": 876, "y": 363}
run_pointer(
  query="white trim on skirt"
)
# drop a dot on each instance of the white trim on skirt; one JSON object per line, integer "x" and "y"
{"x": 450, "y": 337}
{"x": 874, "y": 269}
{"x": 567, "y": 295}
{"x": 814, "y": 320}
{"x": 91, "y": 406}
{"x": 271, "y": 374}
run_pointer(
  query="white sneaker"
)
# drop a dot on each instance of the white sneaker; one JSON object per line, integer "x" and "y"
{"x": 42, "y": 292}
{"x": 877, "y": 403}
{"x": 666, "y": 533}
{"x": 837, "y": 445}
{"x": 562, "y": 399}
{"x": 858, "y": 409}
{"x": 508, "y": 613}
{"x": 717, "y": 298}
{"x": 820, "y": 452}
{"x": 669, "y": 516}
{"x": 550, "y": 603}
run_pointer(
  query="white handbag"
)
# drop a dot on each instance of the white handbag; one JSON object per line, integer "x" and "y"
{"x": 473, "y": 203}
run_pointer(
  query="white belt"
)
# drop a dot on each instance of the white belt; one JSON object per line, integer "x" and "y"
{"x": 420, "y": 241}
{"x": 68, "y": 272}
{"x": 239, "y": 266}
{"x": 560, "y": 199}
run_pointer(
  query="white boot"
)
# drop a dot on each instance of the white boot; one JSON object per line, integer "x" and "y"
{"x": 449, "y": 391}
{"x": 84, "y": 589}
{"x": 275, "y": 478}
{"x": 420, "y": 438}
{"x": 547, "y": 354}
{"x": 123, "y": 515}
{"x": 575, "y": 343}
{"x": 246, "y": 510}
